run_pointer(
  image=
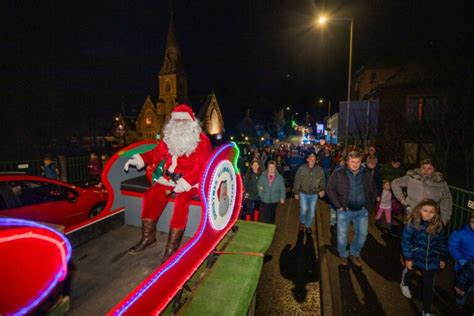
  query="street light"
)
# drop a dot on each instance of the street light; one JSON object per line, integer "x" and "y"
{"x": 321, "y": 21}
{"x": 321, "y": 101}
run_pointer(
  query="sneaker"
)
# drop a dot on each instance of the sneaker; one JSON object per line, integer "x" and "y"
{"x": 356, "y": 261}
{"x": 406, "y": 291}
{"x": 426, "y": 314}
{"x": 343, "y": 261}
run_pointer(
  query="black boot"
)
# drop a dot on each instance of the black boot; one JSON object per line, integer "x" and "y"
{"x": 148, "y": 236}
{"x": 174, "y": 240}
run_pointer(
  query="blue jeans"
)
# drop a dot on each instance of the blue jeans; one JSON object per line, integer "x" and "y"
{"x": 327, "y": 173}
{"x": 360, "y": 220}
{"x": 307, "y": 208}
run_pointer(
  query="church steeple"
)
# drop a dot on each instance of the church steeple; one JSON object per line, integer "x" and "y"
{"x": 172, "y": 60}
{"x": 172, "y": 81}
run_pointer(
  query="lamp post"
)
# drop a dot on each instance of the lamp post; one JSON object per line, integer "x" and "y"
{"x": 321, "y": 101}
{"x": 321, "y": 21}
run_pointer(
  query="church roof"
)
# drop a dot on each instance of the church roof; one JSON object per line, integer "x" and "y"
{"x": 202, "y": 113}
{"x": 147, "y": 105}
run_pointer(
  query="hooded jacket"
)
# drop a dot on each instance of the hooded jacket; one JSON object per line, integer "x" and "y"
{"x": 419, "y": 188}
{"x": 461, "y": 246}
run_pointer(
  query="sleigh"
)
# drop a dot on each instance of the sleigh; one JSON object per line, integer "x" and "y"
{"x": 103, "y": 279}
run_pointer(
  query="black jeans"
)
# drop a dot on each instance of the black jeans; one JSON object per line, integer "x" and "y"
{"x": 428, "y": 286}
{"x": 269, "y": 212}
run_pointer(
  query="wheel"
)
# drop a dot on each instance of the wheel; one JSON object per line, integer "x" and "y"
{"x": 96, "y": 210}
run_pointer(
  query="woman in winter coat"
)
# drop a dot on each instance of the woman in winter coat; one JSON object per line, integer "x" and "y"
{"x": 424, "y": 248}
{"x": 424, "y": 183}
{"x": 271, "y": 190}
{"x": 252, "y": 200}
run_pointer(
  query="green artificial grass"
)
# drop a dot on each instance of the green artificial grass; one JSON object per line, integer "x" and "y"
{"x": 229, "y": 287}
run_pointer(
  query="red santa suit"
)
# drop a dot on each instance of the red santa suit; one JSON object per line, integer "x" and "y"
{"x": 188, "y": 167}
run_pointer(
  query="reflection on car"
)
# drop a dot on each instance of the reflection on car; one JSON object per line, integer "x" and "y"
{"x": 47, "y": 200}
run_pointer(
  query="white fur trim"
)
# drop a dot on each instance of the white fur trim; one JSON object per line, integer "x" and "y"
{"x": 163, "y": 181}
{"x": 181, "y": 138}
{"x": 181, "y": 116}
{"x": 185, "y": 184}
{"x": 139, "y": 163}
{"x": 174, "y": 163}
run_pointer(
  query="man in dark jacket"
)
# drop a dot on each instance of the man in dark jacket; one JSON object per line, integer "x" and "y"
{"x": 371, "y": 164}
{"x": 352, "y": 192}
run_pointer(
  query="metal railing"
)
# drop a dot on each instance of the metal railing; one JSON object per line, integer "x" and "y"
{"x": 76, "y": 169}
{"x": 32, "y": 167}
{"x": 462, "y": 209}
{"x": 71, "y": 169}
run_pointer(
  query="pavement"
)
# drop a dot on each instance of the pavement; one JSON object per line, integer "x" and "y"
{"x": 374, "y": 289}
{"x": 289, "y": 283}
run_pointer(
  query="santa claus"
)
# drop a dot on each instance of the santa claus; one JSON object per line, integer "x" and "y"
{"x": 184, "y": 151}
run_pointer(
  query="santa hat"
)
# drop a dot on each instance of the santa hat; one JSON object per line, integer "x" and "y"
{"x": 182, "y": 112}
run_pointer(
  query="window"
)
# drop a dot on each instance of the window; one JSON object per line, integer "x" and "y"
{"x": 35, "y": 192}
{"x": 373, "y": 77}
{"x": 167, "y": 87}
{"x": 3, "y": 196}
{"x": 425, "y": 108}
{"x": 148, "y": 121}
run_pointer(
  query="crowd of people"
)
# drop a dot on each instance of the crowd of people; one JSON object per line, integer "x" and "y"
{"x": 355, "y": 185}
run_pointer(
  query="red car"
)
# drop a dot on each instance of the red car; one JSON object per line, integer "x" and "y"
{"x": 46, "y": 200}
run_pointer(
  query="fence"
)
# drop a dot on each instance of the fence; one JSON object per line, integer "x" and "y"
{"x": 462, "y": 209}
{"x": 71, "y": 169}
{"x": 74, "y": 170}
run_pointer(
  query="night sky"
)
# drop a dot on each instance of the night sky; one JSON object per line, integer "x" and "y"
{"x": 72, "y": 65}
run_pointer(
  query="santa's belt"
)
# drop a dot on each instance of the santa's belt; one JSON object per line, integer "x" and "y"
{"x": 173, "y": 176}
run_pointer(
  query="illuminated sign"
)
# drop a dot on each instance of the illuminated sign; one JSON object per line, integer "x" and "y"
{"x": 222, "y": 195}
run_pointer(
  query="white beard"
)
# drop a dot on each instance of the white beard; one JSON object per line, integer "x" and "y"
{"x": 181, "y": 138}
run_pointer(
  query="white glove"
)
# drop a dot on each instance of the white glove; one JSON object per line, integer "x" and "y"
{"x": 179, "y": 188}
{"x": 182, "y": 186}
{"x": 163, "y": 181}
{"x": 136, "y": 161}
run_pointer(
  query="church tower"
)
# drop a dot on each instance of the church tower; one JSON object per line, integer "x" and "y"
{"x": 172, "y": 81}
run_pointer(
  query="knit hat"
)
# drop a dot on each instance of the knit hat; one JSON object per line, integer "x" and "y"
{"x": 182, "y": 112}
